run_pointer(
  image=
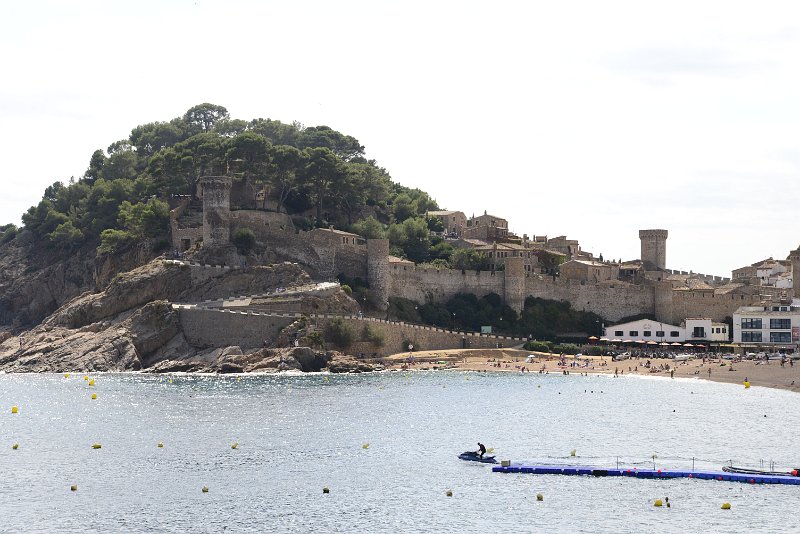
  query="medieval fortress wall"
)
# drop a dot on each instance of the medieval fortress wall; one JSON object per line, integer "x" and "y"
{"x": 328, "y": 252}
{"x": 207, "y": 327}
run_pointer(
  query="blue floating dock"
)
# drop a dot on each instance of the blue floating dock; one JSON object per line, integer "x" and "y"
{"x": 647, "y": 473}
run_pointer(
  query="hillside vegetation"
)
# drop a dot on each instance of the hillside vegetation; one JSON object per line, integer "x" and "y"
{"x": 317, "y": 174}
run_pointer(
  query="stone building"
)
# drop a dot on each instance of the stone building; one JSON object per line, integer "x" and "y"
{"x": 454, "y": 222}
{"x": 589, "y": 270}
{"x": 486, "y": 227}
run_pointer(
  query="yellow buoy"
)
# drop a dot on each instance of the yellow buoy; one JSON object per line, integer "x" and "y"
{"x": 726, "y": 506}
{"x": 73, "y": 487}
{"x": 747, "y": 385}
{"x": 15, "y": 409}
{"x": 94, "y": 396}
{"x": 86, "y": 377}
{"x": 15, "y": 446}
{"x": 235, "y": 445}
{"x": 573, "y": 452}
{"x": 539, "y": 497}
{"x": 205, "y": 489}
{"x": 96, "y": 446}
{"x": 66, "y": 375}
{"x": 449, "y": 493}
{"x": 160, "y": 445}
{"x": 365, "y": 446}
{"x": 91, "y": 382}
{"x": 658, "y": 503}
{"x": 326, "y": 489}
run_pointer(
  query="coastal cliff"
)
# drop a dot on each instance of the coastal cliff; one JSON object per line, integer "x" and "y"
{"x": 131, "y": 325}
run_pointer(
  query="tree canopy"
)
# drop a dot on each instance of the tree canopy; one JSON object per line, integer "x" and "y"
{"x": 316, "y": 174}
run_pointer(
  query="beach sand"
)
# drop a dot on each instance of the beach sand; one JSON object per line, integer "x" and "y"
{"x": 771, "y": 375}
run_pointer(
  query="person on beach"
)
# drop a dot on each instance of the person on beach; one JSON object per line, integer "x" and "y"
{"x": 481, "y": 449}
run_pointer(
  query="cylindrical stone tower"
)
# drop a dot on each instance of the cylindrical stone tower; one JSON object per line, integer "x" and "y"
{"x": 378, "y": 272}
{"x": 216, "y": 210}
{"x": 794, "y": 256}
{"x": 514, "y": 283}
{"x": 654, "y": 249}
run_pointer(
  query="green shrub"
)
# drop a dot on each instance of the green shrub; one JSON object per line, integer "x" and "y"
{"x": 347, "y": 289}
{"x": 244, "y": 239}
{"x": 566, "y": 348}
{"x": 339, "y": 333}
{"x": 114, "y": 240}
{"x": 538, "y": 346}
{"x": 313, "y": 339}
{"x": 373, "y": 335}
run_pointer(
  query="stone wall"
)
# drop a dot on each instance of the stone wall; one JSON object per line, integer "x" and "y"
{"x": 424, "y": 284}
{"x": 612, "y": 300}
{"x": 705, "y": 304}
{"x": 262, "y": 223}
{"x": 205, "y": 328}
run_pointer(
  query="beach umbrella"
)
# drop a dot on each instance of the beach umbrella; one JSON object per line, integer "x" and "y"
{"x": 664, "y": 344}
{"x": 688, "y": 345}
{"x": 652, "y": 342}
{"x": 619, "y": 341}
{"x": 604, "y": 339}
{"x": 593, "y": 338}
{"x": 676, "y": 344}
{"x": 641, "y": 341}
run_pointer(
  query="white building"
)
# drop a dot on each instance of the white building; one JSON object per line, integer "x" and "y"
{"x": 776, "y": 325}
{"x": 655, "y": 332}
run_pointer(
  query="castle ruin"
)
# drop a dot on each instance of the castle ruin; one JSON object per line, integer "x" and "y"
{"x": 669, "y": 296}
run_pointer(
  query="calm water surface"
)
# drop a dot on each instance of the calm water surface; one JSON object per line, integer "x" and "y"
{"x": 298, "y": 434}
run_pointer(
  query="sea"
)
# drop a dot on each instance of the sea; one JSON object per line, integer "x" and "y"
{"x": 385, "y": 446}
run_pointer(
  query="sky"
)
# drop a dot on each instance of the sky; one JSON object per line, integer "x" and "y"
{"x": 579, "y": 118}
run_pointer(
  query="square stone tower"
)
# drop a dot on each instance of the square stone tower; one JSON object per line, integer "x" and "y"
{"x": 216, "y": 210}
{"x": 654, "y": 249}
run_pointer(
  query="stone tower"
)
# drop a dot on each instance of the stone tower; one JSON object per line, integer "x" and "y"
{"x": 654, "y": 249}
{"x": 378, "y": 272}
{"x": 514, "y": 283}
{"x": 794, "y": 256}
{"x": 216, "y": 210}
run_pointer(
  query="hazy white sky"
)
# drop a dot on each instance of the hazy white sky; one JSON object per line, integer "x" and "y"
{"x": 588, "y": 119}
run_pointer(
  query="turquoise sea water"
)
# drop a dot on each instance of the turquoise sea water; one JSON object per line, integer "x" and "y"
{"x": 298, "y": 434}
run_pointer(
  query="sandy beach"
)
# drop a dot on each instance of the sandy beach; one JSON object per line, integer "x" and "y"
{"x": 771, "y": 375}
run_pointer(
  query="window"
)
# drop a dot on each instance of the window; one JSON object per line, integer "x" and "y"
{"x": 753, "y": 324}
{"x": 699, "y": 332}
{"x": 780, "y": 337}
{"x": 674, "y": 333}
{"x": 619, "y": 333}
{"x": 751, "y": 336}
{"x": 647, "y": 333}
{"x": 780, "y": 324}
{"x": 724, "y": 330}
{"x": 659, "y": 333}
{"x": 633, "y": 333}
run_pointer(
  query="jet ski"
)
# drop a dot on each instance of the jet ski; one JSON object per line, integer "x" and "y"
{"x": 472, "y": 456}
